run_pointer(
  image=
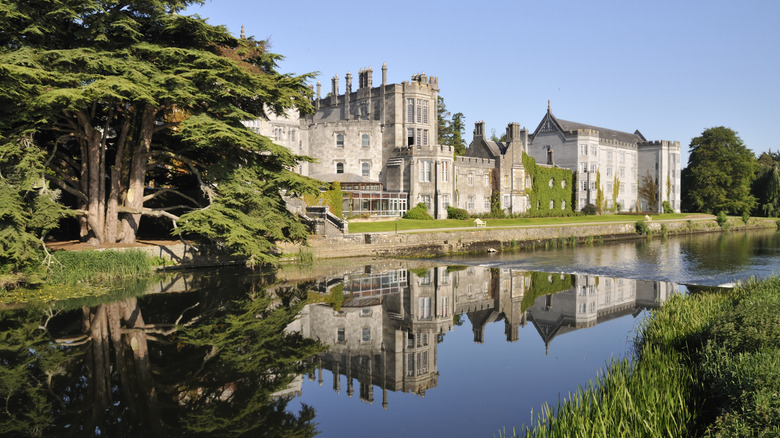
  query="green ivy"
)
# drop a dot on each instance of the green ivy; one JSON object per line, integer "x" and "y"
{"x": 615, "y": 193}
{"x": 540, "y": 194}
{"x": 543, "y": 283}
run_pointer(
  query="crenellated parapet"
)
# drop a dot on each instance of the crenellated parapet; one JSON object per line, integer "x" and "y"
{"x": 421, "y": 82}
{"x": 475, "y": 162}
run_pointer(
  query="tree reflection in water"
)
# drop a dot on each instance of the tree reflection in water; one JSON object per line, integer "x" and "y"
{"x": 198, "y": 365}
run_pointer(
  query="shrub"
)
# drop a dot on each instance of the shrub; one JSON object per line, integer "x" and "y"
{"x": 419, "y": 212}
{"x": 642, "y": 228}
{"x": 667, "y": 207}
{"x": 721, "y": 219}
{"x": 589, "y": 210}
{"x": 746, "y": 217}
{"x": 457, "y": 213}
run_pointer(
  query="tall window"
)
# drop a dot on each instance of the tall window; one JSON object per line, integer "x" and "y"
{"x": 419, "y": 110}
{"x": 425, "y": 308}
{"x": 419, "y": 137}
{"x": 470, "y": 179}
{"x": 584, "y": 149}
{"x": 426, "y": 199}
{"x": 339, "y": 140}
{"x": 410, "y": 110}
{"x": 366, "y": 334}
{"x": 365, "y": 168}
{"x": 410, "y": 136}
{"x": 445, "y": 201}
{"x": 486, "y": 205}
{"x": 425, "y": 171}
{"x": 506, "y": 180}
{"x": 445, "y": 171}
{"x": 470, "y": 204}
{"x": 445, "y": 306}
{"x": 365, "y": 140}
{"x": 425, "y": 112}
{"x": 425, "y": 137}
{"x": 339, "y": 167}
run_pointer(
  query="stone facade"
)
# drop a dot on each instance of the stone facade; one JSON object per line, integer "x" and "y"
{"x": 388, "y": 135}
{"x": 385, "y": 333}
{"x": 508, "y": 176}
{"x": 619, "y": 159}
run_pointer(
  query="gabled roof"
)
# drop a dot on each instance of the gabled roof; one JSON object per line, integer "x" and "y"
{"x": 549, "y": 121}
{"x": 496, "y": 148}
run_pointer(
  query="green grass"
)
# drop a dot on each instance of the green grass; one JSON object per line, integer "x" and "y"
{"x": 407, "y": 224}
{"x": 705, "y": 365}
{"x": 84, "y": 266}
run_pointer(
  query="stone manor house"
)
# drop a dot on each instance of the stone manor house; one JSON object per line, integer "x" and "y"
{"x": 380, "y": 144}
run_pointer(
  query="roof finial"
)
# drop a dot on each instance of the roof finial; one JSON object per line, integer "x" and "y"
{"x": 243, "y": 34}
{"x": 548, "y": 105}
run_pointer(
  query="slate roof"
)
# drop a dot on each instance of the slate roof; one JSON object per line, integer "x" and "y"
{"x": 609, "y": 134}
{"x": 496, "y": 148}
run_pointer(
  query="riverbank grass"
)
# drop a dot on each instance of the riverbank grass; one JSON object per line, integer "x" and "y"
{"x": 81, "y": 274}
{"x": 707, "y": 364}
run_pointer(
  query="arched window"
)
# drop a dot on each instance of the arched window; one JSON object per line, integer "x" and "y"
{"x": 339, "y": 167}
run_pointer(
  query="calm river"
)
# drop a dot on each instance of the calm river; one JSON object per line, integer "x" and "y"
{"x": 462, "y": 346}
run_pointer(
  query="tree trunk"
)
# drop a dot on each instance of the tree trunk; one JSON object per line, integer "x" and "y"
{"x": 98, "y": 363}
{"x": 112, "y": 208}
{"x": 94, "y": 175}
{"x": 135, "y": 190}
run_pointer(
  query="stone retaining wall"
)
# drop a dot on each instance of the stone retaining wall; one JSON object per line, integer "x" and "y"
{"x": 430, "y": 244}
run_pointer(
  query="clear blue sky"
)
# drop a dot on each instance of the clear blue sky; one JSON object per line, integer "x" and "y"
{"x": 668, "y": 68}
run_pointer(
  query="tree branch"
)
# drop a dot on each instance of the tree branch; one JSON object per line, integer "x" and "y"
{"x": 207, "y": 190}
{"x": 65, "y": 186}
{"x": 167, "y": 190}
{"x": 154, "y": 212}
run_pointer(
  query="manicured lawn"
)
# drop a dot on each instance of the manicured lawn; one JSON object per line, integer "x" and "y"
{"x": 406, "y": 224}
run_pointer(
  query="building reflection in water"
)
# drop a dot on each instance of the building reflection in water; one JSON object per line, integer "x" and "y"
{"x": 386, "y": 330}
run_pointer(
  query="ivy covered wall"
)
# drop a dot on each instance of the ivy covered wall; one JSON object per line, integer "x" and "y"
{"x": 551, "y": 191}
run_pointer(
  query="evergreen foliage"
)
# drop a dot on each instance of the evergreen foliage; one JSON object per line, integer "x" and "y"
{"x": 334, "y": 198}
{"x": 721, "y": 170}
{"x": 648, "y": 190}
{"x": 418, "y": 212}
{"x": 450, "y": 131}
{"x": 138, "y": 110}
{"x": 542, "y": 192}
{"x": 599, "y": 193}
{"x": 28, "y": 208}
{"x": 457, "y": 213}
{"x": 615, "y": 193}
{"x": 766, "y": 187}
{"x": 721, "y": 219}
